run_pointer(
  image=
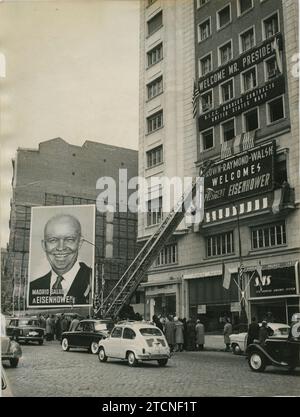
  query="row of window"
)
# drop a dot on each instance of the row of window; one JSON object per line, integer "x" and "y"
{"x": 266, "y": 236}
{"x": 275, "y": 112}
{"x": 270, "y": 26}
{"x": 249, "y": 81}
{"x": 262, "y": 237}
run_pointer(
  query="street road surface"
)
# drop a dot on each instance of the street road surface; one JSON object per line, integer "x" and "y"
{"x": 47, "y": 371}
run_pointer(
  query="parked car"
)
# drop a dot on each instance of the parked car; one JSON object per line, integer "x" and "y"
{"x": 10, "y": 349}
{"x": 135, "y": 341}
{"x": 281, "y": 352}
{"x": 238, "y": 341}
{"x": 87, "y": 335}
{"x": 25, "y": 329}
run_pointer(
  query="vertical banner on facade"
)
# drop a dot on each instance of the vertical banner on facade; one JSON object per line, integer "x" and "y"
{"x": 61, "y": 256}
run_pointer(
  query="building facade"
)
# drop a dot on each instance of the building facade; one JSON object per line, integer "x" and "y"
{"x": 58, "y": 173}
{"x": 246, "y": 251}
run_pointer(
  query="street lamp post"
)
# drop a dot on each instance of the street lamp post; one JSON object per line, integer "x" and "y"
{"x": 97, "y": 275}
{"x": 243, "y": 314}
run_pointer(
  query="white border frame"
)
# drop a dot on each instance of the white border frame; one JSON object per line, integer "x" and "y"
{"x": 244, "y": 119}
{"x": 240, "y": 39}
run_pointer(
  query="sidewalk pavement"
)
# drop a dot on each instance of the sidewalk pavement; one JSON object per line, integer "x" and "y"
{"x": 214, "y": 342}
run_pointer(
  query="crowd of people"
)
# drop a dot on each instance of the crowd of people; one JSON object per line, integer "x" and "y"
{"x": 55, "y": 325}
{"x": 181, "y": 334}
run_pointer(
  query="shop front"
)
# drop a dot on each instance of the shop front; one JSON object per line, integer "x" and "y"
{"x": 275, "y": 294}
{"x": 211, "y": 302}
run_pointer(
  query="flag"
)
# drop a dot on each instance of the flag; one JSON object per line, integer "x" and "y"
{"x": 259, "y": 270}
{"x": 275, "y": 46}
{"x": 226, "y": 274}
{"x": 196, "y": 95}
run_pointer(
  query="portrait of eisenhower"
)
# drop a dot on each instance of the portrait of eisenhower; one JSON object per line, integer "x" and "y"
{"x": 68, "y": 280}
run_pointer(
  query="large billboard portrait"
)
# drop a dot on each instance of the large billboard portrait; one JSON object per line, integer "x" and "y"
{"x": 61, "y": 256}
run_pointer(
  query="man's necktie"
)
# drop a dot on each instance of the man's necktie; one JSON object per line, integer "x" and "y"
{"x": 57, "y": 285}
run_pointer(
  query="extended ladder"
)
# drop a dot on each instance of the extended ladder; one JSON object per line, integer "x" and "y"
{"x": 133, "y": 276}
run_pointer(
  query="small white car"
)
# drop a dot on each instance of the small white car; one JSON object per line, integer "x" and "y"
{"x": 238, "y": 342}
{"x": 135, "y": 341}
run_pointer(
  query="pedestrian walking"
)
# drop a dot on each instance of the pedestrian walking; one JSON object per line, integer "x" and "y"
{"x": 191, "y": 334}
{"x": 200, "y": 335}
{"x": 227, "y": 332}
{"x": 64, "y": 323}
{"x": 253, "y": 331}
{"x": 178, "y": 335}
{"x": 157, "y": 322}
{"x": 170, "y": 332}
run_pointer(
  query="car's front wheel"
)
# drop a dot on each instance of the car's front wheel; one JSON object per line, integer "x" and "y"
{"x": 132, "y": 361}
{"x": 14, "y": 362}
{"x": 257, "y": 362}
{"x": 101, "y": 355}
{"x": 236, "y": 349}
{"x": 65, "y": 344}
{"x": 94, "y": 348}
{"x": 162, "y": 362}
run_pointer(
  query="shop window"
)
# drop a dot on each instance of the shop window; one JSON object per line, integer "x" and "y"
{"x": 221, "y": 244}
{"x": 251, "y": 120}
{"x": 228, "y": 130}
{"x": 275, "y": 110}
{"x": 267, "y": 236}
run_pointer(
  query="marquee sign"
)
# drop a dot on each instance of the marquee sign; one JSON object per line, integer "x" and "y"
{"x": 246, "y": 60}
{"x": 239, "y": 105}
{"x": 281, "y": 281}
{"x": 243, "y": 175}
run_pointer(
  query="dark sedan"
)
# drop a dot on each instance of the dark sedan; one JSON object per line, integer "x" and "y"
{"x": 87, "y": 335}
{"x": 25, "y": 329}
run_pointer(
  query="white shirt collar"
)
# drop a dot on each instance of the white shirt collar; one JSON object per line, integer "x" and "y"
{"x": 68, "y": 278}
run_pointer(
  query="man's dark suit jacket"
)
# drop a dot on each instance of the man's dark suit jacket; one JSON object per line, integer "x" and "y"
{"x": 78, "y": 287}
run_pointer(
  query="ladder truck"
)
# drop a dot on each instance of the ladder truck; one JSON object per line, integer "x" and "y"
{"x": 122, "y": 292}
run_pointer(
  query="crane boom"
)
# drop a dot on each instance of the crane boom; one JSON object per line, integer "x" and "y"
{"x": 133, "y": 276}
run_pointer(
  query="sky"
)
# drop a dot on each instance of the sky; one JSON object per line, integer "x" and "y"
{"x": 71, "y": 71}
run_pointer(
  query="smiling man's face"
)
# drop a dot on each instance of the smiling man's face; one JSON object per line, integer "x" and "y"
{"x": 62, "y": 240}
